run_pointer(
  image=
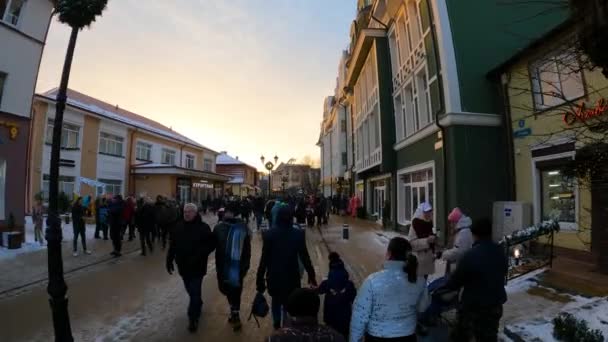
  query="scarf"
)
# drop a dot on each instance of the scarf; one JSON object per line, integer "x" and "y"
{"x": 234, "y": 248}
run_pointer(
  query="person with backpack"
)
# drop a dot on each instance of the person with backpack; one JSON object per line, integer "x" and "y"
{"x": 388, "y": 303}
{"x": 232, "y": 259}
{"x": 340, "y": 293}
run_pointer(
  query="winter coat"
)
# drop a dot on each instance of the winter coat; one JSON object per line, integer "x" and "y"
{"x": 306, "y": 330}
{"x": 258, "y": 205}
{"x": 102, "y": 213}
{"x": 128, "y": 211}
{"x": 115, "y": 209}
{"x": 422, "y": 249}
{"x": 165, "y": 214}
{"x": 463, "y": 241}
{"x": 268, "y": 210}
{"x": 145, "y": 218}
{"x": 387, "y": 305}
{"x": 78, "y": 215}
{"x": 279, "y": 270}
{"x": 232, "y": 251}
{"x": 340, "y": 293}
{"x": 481, "y": 273}
{"x": 191, "y": 244}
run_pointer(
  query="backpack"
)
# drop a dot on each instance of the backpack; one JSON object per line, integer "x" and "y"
{"x": 259, "y": 308}
{"x": 237, "y": 234}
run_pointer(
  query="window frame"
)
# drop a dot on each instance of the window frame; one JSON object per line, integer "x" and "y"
{"x": 4, "y": 15}
{"x": 167, "y": 151}
{"x": 190, "y": 158}
{"x": 536, "y": 82}
{"x": 114, "y": 140}
{"x": 430, "y": 191}
{"x": 64, "y": 181}
{"x": 111, "y": 184}
{"x": 208, "y": 162}
{"x": 143, "y": 145}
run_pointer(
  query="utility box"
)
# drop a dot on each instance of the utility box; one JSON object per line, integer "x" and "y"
{"x": 11, "y": 240}
{"x": 509, "y": 217}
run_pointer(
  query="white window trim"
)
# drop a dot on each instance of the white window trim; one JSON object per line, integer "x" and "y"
{"x": 537, "y": 82}
{"x": 143, "y": 143}
{"x": 412, "y": 169}
{"x": 162, "y": 151}
{"x": 21, "y": 14}
{"x": 537, "y": 193}
{"x": 113, "y": 135}
{"x": 193, "y": 161}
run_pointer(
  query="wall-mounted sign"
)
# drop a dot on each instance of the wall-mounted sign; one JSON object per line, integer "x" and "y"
{"x": 582, "y": 113}
{"x": 13, "y": 129}
{"x": 521, "y": 133}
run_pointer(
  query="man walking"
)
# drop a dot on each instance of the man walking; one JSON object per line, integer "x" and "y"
{"x": 481, "y": 274}
{"x": 191, "y": 242}
{"x": 232, "y": 259}
{"x": 144, "y": 217}
{"x": 115, "y": 209}
{"x": 284, "y": 246}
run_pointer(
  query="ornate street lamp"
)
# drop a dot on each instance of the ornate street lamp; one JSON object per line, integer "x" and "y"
{"x": 269, "y": 166}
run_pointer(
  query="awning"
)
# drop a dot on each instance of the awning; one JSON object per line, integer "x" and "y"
{"x": 161, "y": 169}
{"x": 90, "y": 182}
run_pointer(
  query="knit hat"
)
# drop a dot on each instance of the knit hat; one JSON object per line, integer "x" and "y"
{"x": 335, "y": 261}
{"x": 455, "y": 215}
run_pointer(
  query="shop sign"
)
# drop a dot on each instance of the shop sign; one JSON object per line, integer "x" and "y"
{"x": 13, "y": 129}
{"x": 582, "y": 113}
{"x": 202, "y": 185}
{"x": 521, "y": 133}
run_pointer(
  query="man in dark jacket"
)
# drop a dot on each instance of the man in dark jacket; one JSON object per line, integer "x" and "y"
{"x": 232, "y": 259}
{"x": 481, "y": 274}
{"x": 167, "y": 216}
{"x": 145, "y": 221}
{"x": 115, "y": 209}
{"x": 303, "y": 306}
{"x": 258, "y": 210}
{"x": 191, "y": 242}
{"x": 283, "y": 246}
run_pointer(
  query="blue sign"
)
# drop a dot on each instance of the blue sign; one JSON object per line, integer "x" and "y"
{"x": 521, "y": 133}
{"x": 521, "y": 123}
{"x": 508, "y": 212}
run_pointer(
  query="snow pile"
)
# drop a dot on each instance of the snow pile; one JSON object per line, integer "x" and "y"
{"x": 593, "y": 311}
{"x": 524, "y": 283}
{"x": 521, "y": 235}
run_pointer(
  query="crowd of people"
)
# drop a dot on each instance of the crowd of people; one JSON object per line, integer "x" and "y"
{"x": 397, "y": 303}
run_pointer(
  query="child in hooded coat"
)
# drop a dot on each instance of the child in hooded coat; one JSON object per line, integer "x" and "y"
{"x": 340, "y": 293}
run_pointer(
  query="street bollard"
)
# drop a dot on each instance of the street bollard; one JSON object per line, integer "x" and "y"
{"x": 345, "y": 231}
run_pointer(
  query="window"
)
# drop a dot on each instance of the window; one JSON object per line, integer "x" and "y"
{"x": 414, "y": 188}
{"x": 344, "y": 158}
{"x": 2, "y": 81}
{"x": 113, "y": 187}
{"x": 110, "y": 144}
{"x": 66, "y": 185}
{"x": 208, "y": 164}
{"x": 10, "y": 10}
{"x": 558, "y": 199}
{"x": 556, "y": 79}
{"x": 189, "y": 161}
{"x": 168, "y": 157}
{"x": 69, "y": 135}
{"x": 143, "y": 151}
{"x": 2, "y": 188}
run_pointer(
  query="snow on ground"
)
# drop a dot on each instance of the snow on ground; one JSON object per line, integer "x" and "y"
{"x": 525, "y": 282}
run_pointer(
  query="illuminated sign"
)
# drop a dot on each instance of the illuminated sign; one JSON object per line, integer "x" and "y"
{"x": 13, "y": 129}
{"x": 583, "y": 113}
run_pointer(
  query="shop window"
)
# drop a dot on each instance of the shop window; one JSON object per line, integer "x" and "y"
{"x": 168, "y": 157}
{"x": 414, "y": 188}
{"x": 558, "y": 199}
{"x": 556, "y": 79}
{"x": 113, "y": 187}
{"x": 110, "y": 144}
{"x": 2, "y": 189}
{"x": 143, "y": 151}
{"x": 66, "y": 185}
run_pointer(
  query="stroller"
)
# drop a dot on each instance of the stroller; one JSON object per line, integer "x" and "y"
{"x": 443, "y": 303}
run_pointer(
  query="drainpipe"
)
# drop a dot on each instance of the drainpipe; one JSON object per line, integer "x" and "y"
{"x": 132, "y": 187}
{"x": 445, "y": 170}
{"x": 504, "y": 80}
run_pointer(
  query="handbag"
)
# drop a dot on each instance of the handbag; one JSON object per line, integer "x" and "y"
{"x": 259, "y": 308}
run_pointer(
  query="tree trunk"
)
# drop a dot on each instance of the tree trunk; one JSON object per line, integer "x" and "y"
{"x": 57, "y": 288}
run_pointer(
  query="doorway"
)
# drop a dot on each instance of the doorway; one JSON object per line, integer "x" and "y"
{"x": 379, "y": 198}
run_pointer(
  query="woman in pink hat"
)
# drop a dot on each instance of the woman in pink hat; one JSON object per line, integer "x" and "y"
{"x": 460, "y": 225}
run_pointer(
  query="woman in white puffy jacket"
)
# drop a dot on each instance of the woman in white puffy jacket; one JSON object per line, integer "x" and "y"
{"x": 388, "y": 302}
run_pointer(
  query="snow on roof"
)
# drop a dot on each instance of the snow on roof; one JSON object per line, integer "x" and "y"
{"x": 224, "y": 159}
{"x": 85, "y": 102}
{"x": 236, "y": 180}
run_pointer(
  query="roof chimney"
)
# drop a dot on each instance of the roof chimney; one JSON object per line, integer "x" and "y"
{"x": 237, "y": 157}
{"x": 117, "y": 108}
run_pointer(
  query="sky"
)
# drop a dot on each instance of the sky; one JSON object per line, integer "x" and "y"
{"x": 243, "y": 76}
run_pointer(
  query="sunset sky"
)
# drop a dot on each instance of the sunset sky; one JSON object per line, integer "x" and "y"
{"x": 244, "y": 76}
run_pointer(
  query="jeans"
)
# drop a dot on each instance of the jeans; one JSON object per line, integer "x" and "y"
{"x": 79, "y": 229}
{"x": 258, "y": 219}
{"x": 193, "y": 286}
{"x": 279, "y": 311}
{"x": 164, "y": 232}
{"x": 131, "y": 226}
{"x": 234, "y": 298}
{"x": 481, "y": 323}
{"x": 145, "y": 237}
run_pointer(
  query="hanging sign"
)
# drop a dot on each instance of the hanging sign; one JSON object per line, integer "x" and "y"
{"x": 13, "y": 129}
{"x": 582, "y": 113}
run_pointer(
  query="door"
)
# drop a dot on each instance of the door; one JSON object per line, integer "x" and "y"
{"x": 379, "y": 197}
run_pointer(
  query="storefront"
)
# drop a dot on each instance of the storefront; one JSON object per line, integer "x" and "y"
{"x": 185, "y": 185}
{"x": 378, "y": 194}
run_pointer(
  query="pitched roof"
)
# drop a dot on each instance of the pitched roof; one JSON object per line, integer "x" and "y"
{"x": 101, "y": 108}
{"x": 224, "y": 159}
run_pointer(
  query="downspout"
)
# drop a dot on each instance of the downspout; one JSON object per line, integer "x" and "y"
{"x": 132, "y": 186}
{"x": 504, "y": 93}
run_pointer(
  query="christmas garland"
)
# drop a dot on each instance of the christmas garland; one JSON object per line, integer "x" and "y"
{"x": 531, "y": 232}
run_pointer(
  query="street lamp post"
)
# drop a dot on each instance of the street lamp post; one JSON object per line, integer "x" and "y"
{"x": 269, "y": 166}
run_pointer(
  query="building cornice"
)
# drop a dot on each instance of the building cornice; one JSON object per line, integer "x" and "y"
{"x": 360, "y": 52}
